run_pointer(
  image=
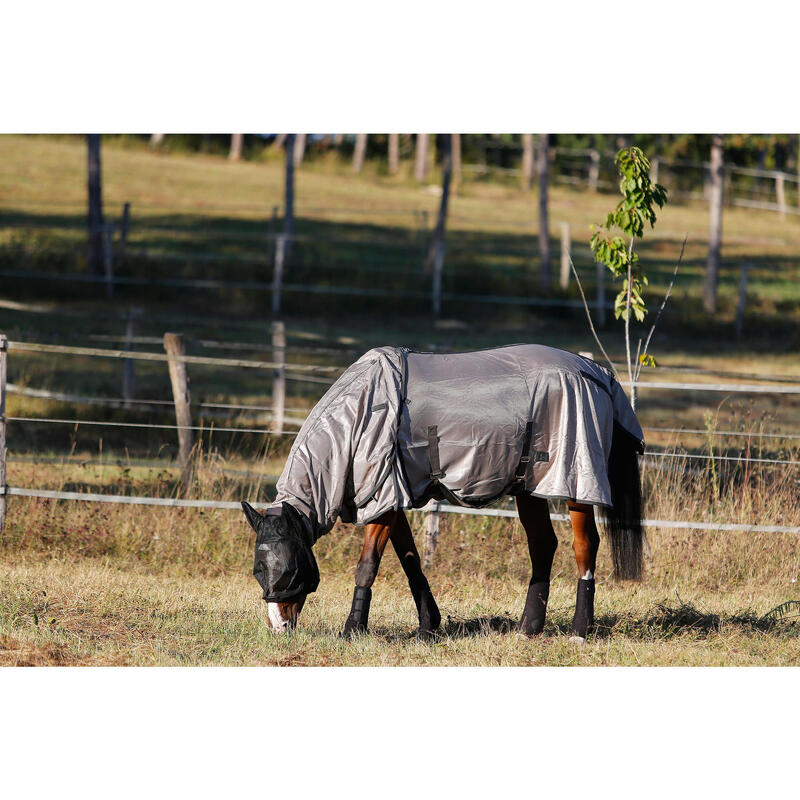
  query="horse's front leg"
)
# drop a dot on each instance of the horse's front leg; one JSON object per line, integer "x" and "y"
{"x": 534, "y": 515}
{"x": 585, "y": 543}
{"x": 377, "y": 536}
{"x": 406, "y": 549}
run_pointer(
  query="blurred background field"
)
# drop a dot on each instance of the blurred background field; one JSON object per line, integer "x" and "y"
{"x": 130, "y": 585}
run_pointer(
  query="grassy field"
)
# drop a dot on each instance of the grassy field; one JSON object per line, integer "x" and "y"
{"x": 96, "y": 584}
{"x": 704, "y": 601}
{"x": 92, "y": 584}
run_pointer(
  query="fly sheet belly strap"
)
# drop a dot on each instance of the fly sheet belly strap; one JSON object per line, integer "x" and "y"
{"x": 433, "y": 453}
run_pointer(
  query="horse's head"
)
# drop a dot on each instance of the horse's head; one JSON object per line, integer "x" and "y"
{"x": 284, "y": 565}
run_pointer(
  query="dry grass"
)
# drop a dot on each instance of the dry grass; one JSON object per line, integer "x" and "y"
{"x": 91, "y": 584}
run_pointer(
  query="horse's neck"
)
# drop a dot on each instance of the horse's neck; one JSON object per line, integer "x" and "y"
{"x": 318, "y": 501}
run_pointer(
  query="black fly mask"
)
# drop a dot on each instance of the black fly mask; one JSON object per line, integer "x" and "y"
{"x": 284, "y": 566}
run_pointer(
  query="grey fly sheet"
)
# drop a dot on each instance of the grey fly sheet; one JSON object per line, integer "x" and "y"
{"x": 401, "y": 427}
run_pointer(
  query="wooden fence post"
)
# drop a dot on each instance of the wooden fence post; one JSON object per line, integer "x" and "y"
{"x": 740, "y": 305}
{"x": 780, "y": 193}
{"x": 654, "y": 165}
{"x": 601, "y": 294}
{"x": 527, "y": 161}
{"x": 441, "y": 223}
{"x": 394, "y": 153}
{"x": 566, "y": 246}
{"x": 173, "y": 344}
{"x": 279, "y": 375}
{"x": 438, "y": 264}
{"x": 277, "y": 275}
{"x": 423, "y": 239}
{"x": 594, "y": 170}
{"x": 431, "y": 533}
{"x": 3, "y": 452}
{"x": 421, "y": 158}
{"x": 273, "y": 223}
{"x": 359, "y": 152}
{"x": 124, "y": 223}
{"x": 108, "y": 258}
{"x": 129, "y": 364}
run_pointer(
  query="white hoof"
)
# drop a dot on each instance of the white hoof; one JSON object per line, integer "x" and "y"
{"x": 577, "y": 640}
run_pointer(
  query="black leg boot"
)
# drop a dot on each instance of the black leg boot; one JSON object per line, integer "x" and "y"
{"x": 359, "y": 612}
{"x": 584, "y": 610}
{"x": 532, "y": 621}
{"x": 427, "y": 610}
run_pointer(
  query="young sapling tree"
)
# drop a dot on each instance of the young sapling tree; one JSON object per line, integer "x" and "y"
{"x": 613, "y": 243}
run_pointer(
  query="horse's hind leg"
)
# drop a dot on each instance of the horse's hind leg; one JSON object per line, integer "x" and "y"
{"x": 542, "y": 543}
{"x": 403, "y": 542}
{"x": 377, "y": 536}
{"x": 585, "y": 544}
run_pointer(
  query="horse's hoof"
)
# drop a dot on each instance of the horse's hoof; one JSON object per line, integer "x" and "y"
{"x": 530, "y": 628}
{"x": 579, "y": 640}
{"x": 425, "y": 634}
{"x": 349, "y": 632}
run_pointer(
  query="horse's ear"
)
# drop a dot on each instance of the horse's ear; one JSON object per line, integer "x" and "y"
{"x": 253, "y": 517}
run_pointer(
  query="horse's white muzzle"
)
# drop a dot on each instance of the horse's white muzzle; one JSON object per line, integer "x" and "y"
{"x": 280, "y": 624}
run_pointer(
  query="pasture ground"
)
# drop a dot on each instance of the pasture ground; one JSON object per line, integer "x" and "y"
{"x": 97, "y": 584}
{"x": 92, "y": 584}
{"x": 64, "y": 609}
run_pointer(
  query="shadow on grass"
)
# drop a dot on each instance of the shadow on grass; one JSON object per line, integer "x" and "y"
{"x": 660, "y": 622}
{"x": 667, "y": 622}
{"x": 457, "y": 628}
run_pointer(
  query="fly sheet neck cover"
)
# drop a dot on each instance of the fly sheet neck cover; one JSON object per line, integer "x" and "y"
{"x": 401, "y": 427}
{"x": 284, "y": 566}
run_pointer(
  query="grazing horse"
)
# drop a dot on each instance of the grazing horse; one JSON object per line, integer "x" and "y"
{"x": 400, "y": 428}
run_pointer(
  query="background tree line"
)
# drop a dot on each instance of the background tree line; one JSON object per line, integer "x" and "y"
{"x": 760, "y": 150}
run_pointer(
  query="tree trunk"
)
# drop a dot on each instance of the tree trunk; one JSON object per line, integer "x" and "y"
{"x": 299, "y": 148}
{"x": 360, "y": 152}
{"x": 156, "y": 139}
{"x": 338, "y": 139}
{"x": 544, "y": 231}
{"x": 715, "y": 228}
{"x": 421, "y": 162}
{"x": 279, "y": 141}
{"x": 437, "y": 247}
{"x": 235, "y": 153}
{"x": 95, "y": 218}
{"x": 394, "y": 153}
{"x": 527, "y": 161}
{"x": 288, "y": 204}
{"x": 455, "y": 150}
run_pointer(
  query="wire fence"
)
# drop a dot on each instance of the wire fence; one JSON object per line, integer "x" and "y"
{"x": 161, "y": 405}
{"x": 434, "y": 508}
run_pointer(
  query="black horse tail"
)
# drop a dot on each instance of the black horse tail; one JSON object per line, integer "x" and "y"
{"x": 624, "y": 519}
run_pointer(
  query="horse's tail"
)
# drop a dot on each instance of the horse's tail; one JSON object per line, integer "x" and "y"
{"x": 624, "y": 519}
